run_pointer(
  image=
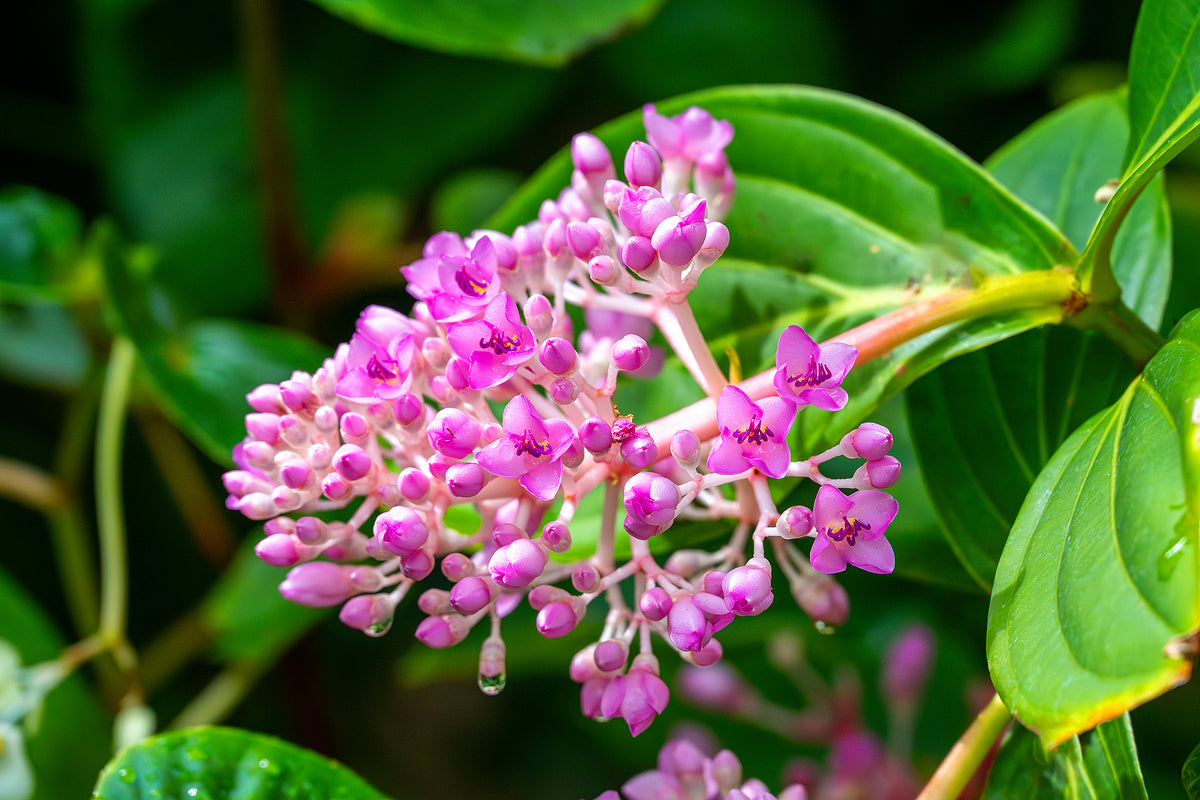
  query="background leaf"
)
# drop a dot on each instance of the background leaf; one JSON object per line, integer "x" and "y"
{"x": 1099, "y": 576}
{"x": 1100, "y": 764}
{"x": 71, "y": 739}
{"x": 225, "y": 762}
{"x": 202, "y": 370}
{"x": 546, "y": 32}
{"x": 986, "y": 423}
{"x": 1191, "y": 775}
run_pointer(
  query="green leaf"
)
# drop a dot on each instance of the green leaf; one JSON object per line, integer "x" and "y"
{"x": 1103, "y": 765}
{"x": 1164, "y": 116}
{"x": 226, "y": 763}
{"x": 1059, "y": 163}
{"x": 1191, "y": 774}
{"x": 986, "y": 423}
{"x": 249, "y": 618}
{"x": 1164, "y": 81}
{"x": 70, "y": 740}
{"x": 545, "y": 32}
{"x": 202, "y": 370}
{"x": 39, "y": 238}
{"x": 1097, "y": 586}
{"x": 845, "y": 211}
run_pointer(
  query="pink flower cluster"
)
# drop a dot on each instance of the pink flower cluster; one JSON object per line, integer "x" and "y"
{"x": 399, "y": 432}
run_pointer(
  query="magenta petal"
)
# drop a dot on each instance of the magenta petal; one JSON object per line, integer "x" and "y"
{"x": 543, "y": 480}
{"x": 829, "y": 506}
{"x": 839, "y": 357}
{"x": 773, "y": 459}
{"x": 734, "y": 408}
{"x": 875, "y": 508}
{"x": 795, "y": 347}
{"x": 561, "y": 435}
{"x": 825, "y": 399}
{"x": 500, "y": 458}
{"x": 727, "y": 458}
{"x": 487, "y": 371}
{"x": 825, "y": 557}
{"x": 520, "y": 417}
{"x": 873, "y": 556}
{"x": 778, "y": 415}
{"x": 464, "y": 337}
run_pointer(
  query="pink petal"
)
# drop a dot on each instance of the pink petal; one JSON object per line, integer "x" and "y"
{"x": 795, "y": 347}
{"x": 543, "y": 480}
{"x": 520, "y": 417}
{"x": 875, "y": 508}
{"x": 873, "y": 556}
{"x": 500, "y": 458}
{"x": 778, "y": 415}
{"x": 727, "y": 458}
{"x": 734, "y": 408}
{"x": 825, "y": 399}
{"x": 839, "y": 357}
{"x": 829, "y": 506}
{"x": 773, "y": 459}
{"x": 825, "y": 557}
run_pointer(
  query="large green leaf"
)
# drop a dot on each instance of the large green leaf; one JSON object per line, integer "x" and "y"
{"x": 845, "y": 211}
{"x": 1164, "y": 81}
{"x": 202, "y": 370}
{"x": 548, "y": 32}
{"x": 228, "y": 764}
{"x": 1191, "y": 774}
{"x": 1103, "y": 765}
{"x": 70, "y": 740}
{"x": 1164, "y": 114}
{"x": 1098, "y": 583}
{"x": 986, "y": 423}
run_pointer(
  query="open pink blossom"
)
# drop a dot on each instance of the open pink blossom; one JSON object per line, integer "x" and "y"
{"x": 752, "y": 434}
{"x": 531, "y": 449}
{"x": 496, "y": 345}
{"x": 454, "y": 285}
{"x": 810, "y": 374}
{"x": 690, "y": 135}
{"x": 849, "y": 530}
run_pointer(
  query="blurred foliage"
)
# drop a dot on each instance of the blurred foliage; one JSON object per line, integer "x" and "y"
{"x": 148, "y": 117}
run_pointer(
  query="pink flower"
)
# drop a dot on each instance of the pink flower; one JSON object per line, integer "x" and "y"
{"x": 690, "y": 135}
{"x": 849, "y": 530}
{"x": 752, "y": 434}
{"x": 379, "y": 358}
{"x": 531, "y": 449}
{"x": 455, "y": 286}
{"x": 496, "y": 345}
{"x": 808, "y": 374}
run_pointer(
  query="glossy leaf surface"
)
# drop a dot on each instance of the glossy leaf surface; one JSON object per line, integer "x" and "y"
{"x": 1095, "y": 766}
{"x": 986, "y": 423}
{"x": 1098, "y": 581}
{"x": 226, "y": 763}
{"x": 1191, "y": 775}
{"x": 202, "y": 370}
{"x": 547, "y": 32}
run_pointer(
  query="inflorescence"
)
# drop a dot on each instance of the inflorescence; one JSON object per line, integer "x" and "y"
{"x": 480, "y": 398}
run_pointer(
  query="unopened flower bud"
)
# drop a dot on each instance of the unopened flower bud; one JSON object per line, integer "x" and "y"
{"x": 630, "y": 352}
{"x": 654, "y": 603}
{"x": 351, "y": 462}
{"x": 472, "y": 594}
{"x": 354, "y": 428}
{"x": 443, "y": 630}
{"x": 878, "y": 474}
{"x": 318, "y": 584}
{"x": 795, "y": 522}
{"x": 590, "y": 156}
{"x": 564, "y": 391}
{"x": 679, "y": 239}
{"x": 611, "y": 655}
{"x": 408, "y": 409}
{"x": 685, "y": 447}
{"x": 906, "y": 665}
{"x": 518, "y": 564}
{"x": 596, "y": 435}
{"x": 457, "y": 566}
{"x": 868, "y": 440}
{"x": 557, "y": 537}
{"x": 643, "y": 167}
{"x": 823, "y": 599}
{"x": 282, "y": 550}
{"x": 584, "y": 240}
{"x": 639, "y": 451}
{"x": 585, "y": 578}
{"x": 371, "y": 613}
{"x": 651, "y": 499}
{"x": 560, "y": 617}
{"x": 638, "y": 254}
{"x": 434, "y": 601}
{"x": 465, "y": 480}
{"x": 505, "y": 533}
{"x": 413, "y": 484}
{"x": 558, "y": 355}
{"x": 539, "y": 314}
{"x": 747, "y": 589}
{"x": 400, "y": 531}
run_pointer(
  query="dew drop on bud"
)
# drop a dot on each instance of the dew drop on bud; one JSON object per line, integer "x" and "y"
{"x": 824, "y": 628}
{"x": 378, "y": 629}
{"x": 492, "y": 685}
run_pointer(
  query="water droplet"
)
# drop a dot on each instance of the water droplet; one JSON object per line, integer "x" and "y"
{"x": 378, "y": 629}
{"x": 263, "y": 763}
{"x": 192, "y": 791}
{"x": 1169, "y": 559}
{"x": 127, "y": 775}
{"x": 824, "y": 628}
{"x": 492, "y": 685}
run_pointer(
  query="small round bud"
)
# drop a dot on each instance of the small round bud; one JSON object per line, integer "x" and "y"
{"x": 685, "y": 447}
{"x": 465, "y": 480}
{"x": 630, "y": 352}
{"x": 564, "y": 391}
{"x": 611, "y": 655}
{"x": 557, "y": 537}
{"x": 558, "y": 355}
{"x": 443, "y": 630}
{"x": 518, "y": 564}
{"x": 542, "y": 596}
{"x": 878, "y": 474}
{"x": 585, "y": 578}
{"x": 868, "y": 440}
{"x": 639, "y": 451}
{"x": 413, "y": 484}
{"x": 596, "y": 435}
{"x": 654, "y": 603}
{"x": 795, "y": 522}
{"x": 643, "y": 167}
{"x": 472, "y": 594}
{"x": 457, "y": 566}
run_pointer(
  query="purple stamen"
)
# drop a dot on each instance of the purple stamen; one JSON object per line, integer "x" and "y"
{"x": 756, "y": 432}
{"x": 469, "y": 285}
{"x": 849, "y": 530}
{"x": 815, "y": 375}
{"x": 377, "y": 371}
{"x": 528, "y": 443}
{"x": 499, "y": 343}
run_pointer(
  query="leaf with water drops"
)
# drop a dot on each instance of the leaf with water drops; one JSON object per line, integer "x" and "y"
{"x": 1191, "y": 774}
{"x": 1096, "y": 598}
{"x": 219, "y": 763}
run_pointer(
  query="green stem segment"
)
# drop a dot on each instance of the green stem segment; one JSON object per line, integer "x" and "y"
{"x": 110, "y": 513}
{"x": 968, "y": 753}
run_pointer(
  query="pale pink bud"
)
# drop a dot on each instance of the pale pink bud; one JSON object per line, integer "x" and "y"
{"x": 443, "y": 630}
{"x": 643, "y": 167}
{"x": 518, "y": 564}
{"x": 630, "y": 352}
{"x": 868, "y": 440}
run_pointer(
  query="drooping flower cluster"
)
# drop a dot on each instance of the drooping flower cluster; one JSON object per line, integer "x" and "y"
{"x": 402, "y": 421}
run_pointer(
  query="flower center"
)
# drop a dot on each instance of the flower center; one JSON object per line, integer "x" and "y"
{"x": 469, "y": 285}
{"x": 376, "y": 369}
{"x": 815, "y": 374}
{"x": 500, "y": 343}
{"x": 528, "y": 443}
{"x": 848, "y": 530}
{"x": 755, "y": 433}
